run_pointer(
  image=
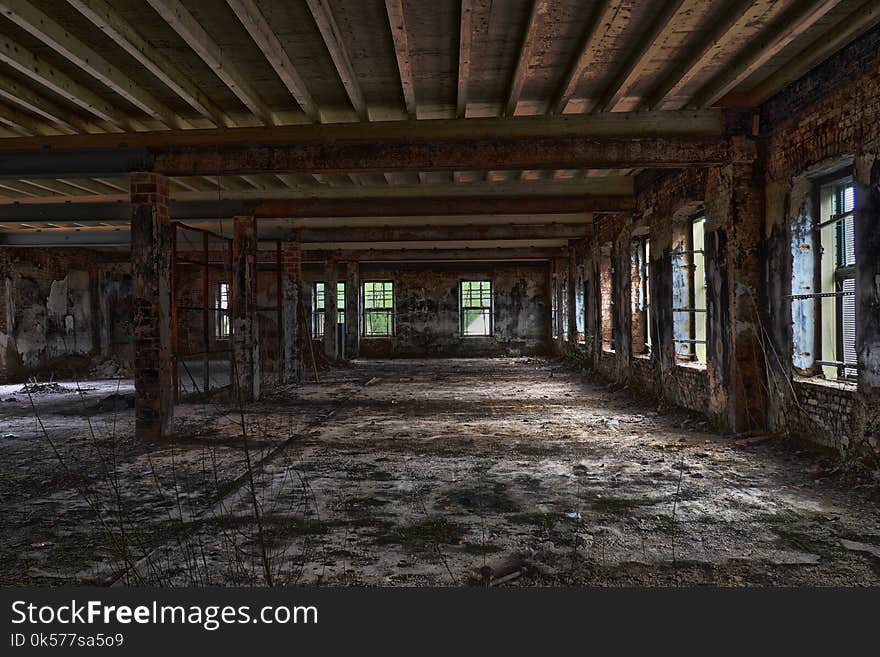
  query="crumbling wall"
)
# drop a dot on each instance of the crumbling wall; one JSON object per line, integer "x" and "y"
{"x": 827, "y": 121}
{"x": 50, "y": 315}
{"x": 427, "y": 309}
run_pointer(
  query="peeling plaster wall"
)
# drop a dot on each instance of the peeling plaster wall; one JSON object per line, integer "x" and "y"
{"x": 426, "y": 302}
{"x": 50, "y": 315}
{"x": 825, "y": 122}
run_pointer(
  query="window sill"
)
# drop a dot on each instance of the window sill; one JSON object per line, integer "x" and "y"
{"x": 692, "y": 365}
{"x": 642, "y": 356}
{"x": 609, "y": 351}
{"x": 848, "y": 386}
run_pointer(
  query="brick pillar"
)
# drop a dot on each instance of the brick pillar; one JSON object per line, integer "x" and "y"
{"x": 245, "y": 334}
{"x": 352, "y": 310}
{"x": 330, "y": 309}
{"x": 292, "y": 333}
{"x": 151, "y": 303}
{"x": 734, "y": 230}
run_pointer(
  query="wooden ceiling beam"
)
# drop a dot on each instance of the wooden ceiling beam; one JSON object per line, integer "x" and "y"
{"x": 459, "y": 254}
{"x": 107, "y": 207}
{"x": 194, "y": 35}
{"x": 397, "y": 23}
{"x": 696, "y": 59}
{"x": 335, "y": 44}
{"x": 847, "y": 30}
{"x": 539, "y": 14}
{"x": 102, "y": 15}
{"x": 63, "y": 42}
{"x": 21, "y": 122}
{"x": 622, "y": 84}
{"x": 465, "y": 38}
{"x": 18, "y": 94}
{"x": 27, "y": 63}
{"x": 261, "y": 32}
{"x": 602, "y": 17}
{"x": 790, "y": 27}
{"x": 695, "y": 123}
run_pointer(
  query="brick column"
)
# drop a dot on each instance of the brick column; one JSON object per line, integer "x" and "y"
{"x": 352, "y": 310}
{"x": 330, "y": 309}
{"x": 245, "y": 334}
{"x": 151, "y": 303}
{"x": 734, "y": 230}
{"x": 292, "y": 330}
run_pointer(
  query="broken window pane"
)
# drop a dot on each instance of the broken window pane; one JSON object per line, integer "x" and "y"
{"x": 221, "y": 320}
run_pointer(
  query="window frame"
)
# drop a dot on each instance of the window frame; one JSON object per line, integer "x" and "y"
{"x": 827, "y": 224}
{"x": 693, "y": 339}
{"x": 365, "y": 312}
{"x": 222, "y": 314}
{"x": 321, "y": 312}
{"x": 490, "y": 308}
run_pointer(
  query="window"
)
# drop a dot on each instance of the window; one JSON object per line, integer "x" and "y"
{"x": 563, "y": 301}
{"x": 579, "y": 295}
{"x": 641, "y": 337}
{"x": 606, "y": 294}
{"x": 378, "y": 308}
{"x": 689, "y": 293}
{"x": 221, "y": 310}
{"x": 837, "y": 261}
{"x": 318, "y": 307}
{"x": 476, "y": 308}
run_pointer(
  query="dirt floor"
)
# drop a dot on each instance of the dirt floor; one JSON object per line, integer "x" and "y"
{"x": 420, "y": 472}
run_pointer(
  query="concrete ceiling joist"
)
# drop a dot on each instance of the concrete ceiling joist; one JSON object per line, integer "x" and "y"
{"x": 42, "y": 27}
{"x": 791, "y": 26}
{"x": 622, "y": 84}
{"x": 102, "y": 15}
{"x": 261, "y": 32}
{"x": 540, "y": 13}
{"x": 190, "y": 30}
